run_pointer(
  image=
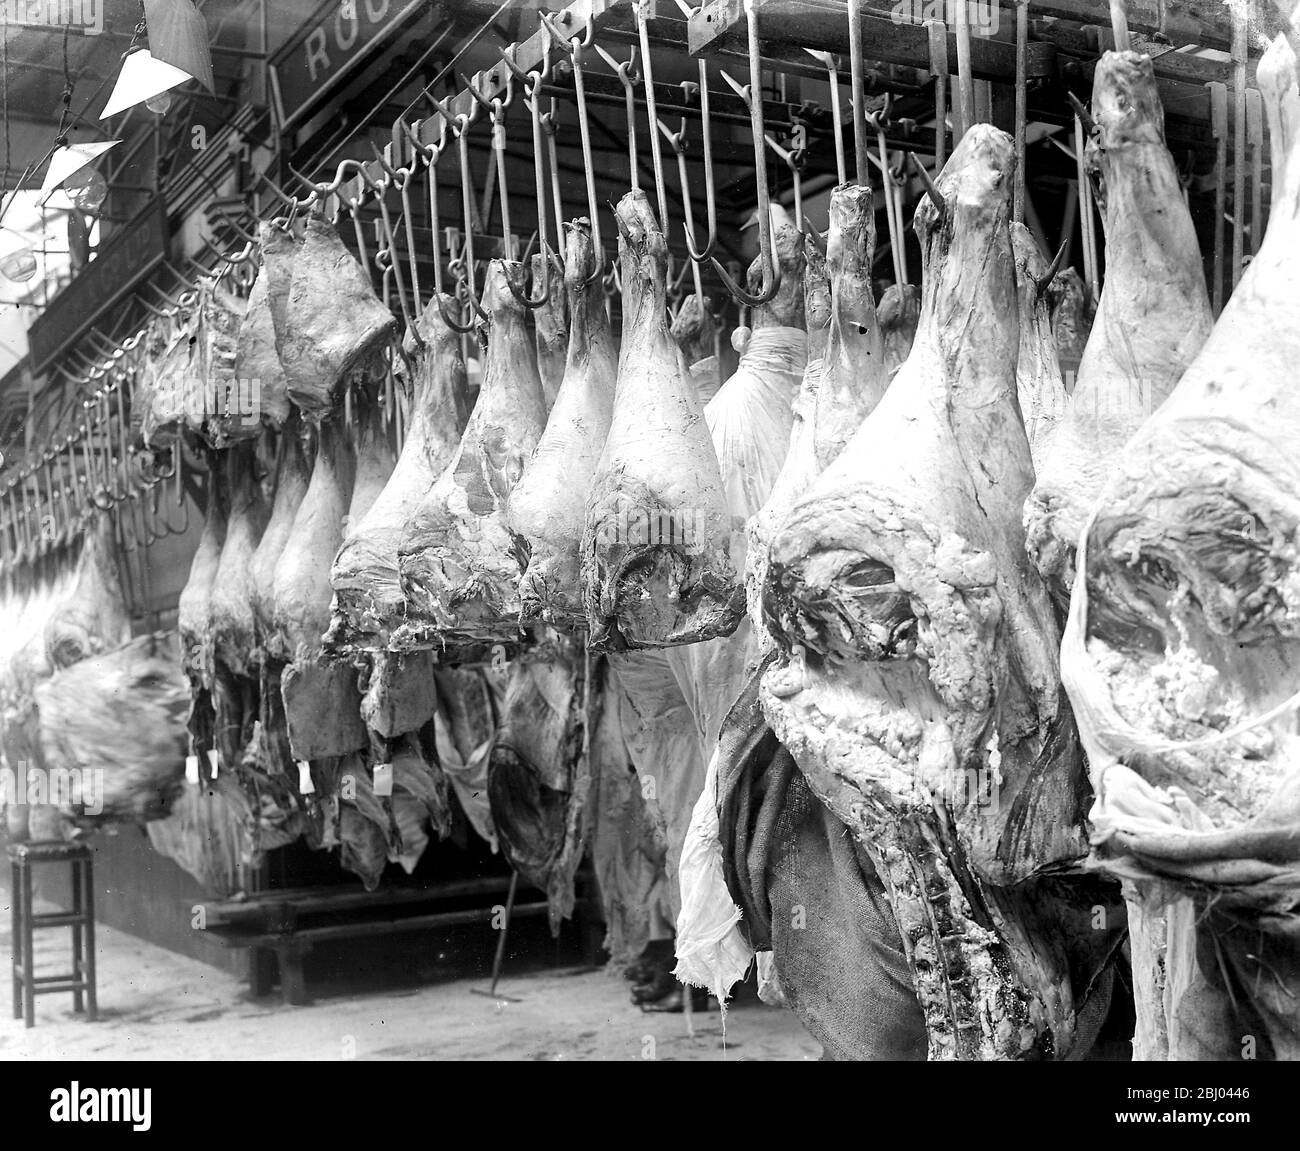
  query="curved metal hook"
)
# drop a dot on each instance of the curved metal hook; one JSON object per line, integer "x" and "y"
{"x": 930, "y": 190}
{"x": 771, "y": 269}
{"x": 1042, "y": 282}
{"x": 584, "y": 128}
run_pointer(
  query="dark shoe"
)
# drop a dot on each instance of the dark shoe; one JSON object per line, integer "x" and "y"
{"x": 657, "y": 956}
{"x": 641, "y": 971}
{"x": 675, "y": 1001}
{"x": 662, "y": 984}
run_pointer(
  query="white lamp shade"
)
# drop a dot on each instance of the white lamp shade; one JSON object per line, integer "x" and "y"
{"x": 142, "y": 76}
{"x": 69, "y": 159}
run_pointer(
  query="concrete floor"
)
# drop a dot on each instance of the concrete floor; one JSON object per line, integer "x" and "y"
{"x": 155, "y": 1004}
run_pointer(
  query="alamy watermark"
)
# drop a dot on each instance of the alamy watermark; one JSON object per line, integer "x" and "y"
{"x": 640, "y": 527}
{"x": 241, "y": 398}
{"x": 983, "y": 16}
{"x": 88, "y": 15}
{"x": 81, "y": 788}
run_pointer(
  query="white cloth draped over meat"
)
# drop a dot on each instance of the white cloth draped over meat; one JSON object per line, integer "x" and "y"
{"x": 368, "y": 601}
{"x": 1182, "y": 659}
{"x": 750, "y": 420}
{"x": 549, "y": 504}
{"x": 1151, "y": 321}
{"x": 551, "y": 326}
{"x": 459, "y": 566}
{"x": 917, "y": 688}
{"x": 656, "y": 548}
{"x": 332, "y": 319}
{"x": 1039, "y": 388}
{"x": 539, "y": 771}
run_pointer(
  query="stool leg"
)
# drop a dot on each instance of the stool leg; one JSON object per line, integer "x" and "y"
{"x": 17, "y": 952}
{"x": 88, "y": 891}
{"x": 29, "y": 960}
{"x": 78, "y": 967}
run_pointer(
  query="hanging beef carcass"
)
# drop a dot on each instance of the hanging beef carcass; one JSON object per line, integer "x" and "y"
{"x": 898, "y": 312}
{"x": 800, "y": 465}
{"x": 695, "y": 329}
{"x": 261, "y": 385}
{"x": 118, "y": 719}
{"x": 853, "y": 373}
{"x": 1071, "y": 322}
{"x": 1039, "y": 387}
{"x": 551, "y": 326}
{"x": 918, "y": 688}
{"x": 194, "y": 614}
{"x": 1153, "y": 316}
{"x": 459, "y": 566}
{"x": 292, "y": 475}
{"x": 1182, "y": 660}
{"x": 656, "y": 550}
{"x": 332, "y": 319}
{"x": 374, "y": 467}
{"x": 321, "y": 699}
{"x": 843, "y": 326}
{"x": 539, "y": 769}
{"x": 368, "y": 601}
{"x": 549, "y": 504}
{"x": 750, "y": 421}
{"x": 232, "y": 622}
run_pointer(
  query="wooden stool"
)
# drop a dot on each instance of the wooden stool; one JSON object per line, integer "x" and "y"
{"x": 27, "y": 984}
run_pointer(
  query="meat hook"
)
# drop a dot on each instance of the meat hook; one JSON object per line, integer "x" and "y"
{"x": 893, "y": 214}
{"x": 753, "y": 96}
{"x": 831, "y": 64}
{"x": 794, "y": 160}
{"x": 380, "y": 186}
{"x": 677, "y": 142}
{"x": 930, "y": 190}
{"x": 628, "y": 76}
{"x": 531, "y": 83}
{"x": 460, "y": 123}
{"x": 1041, "y": 282}
{"x": 1089, "y": 124}
{"x": 584, "y": 128}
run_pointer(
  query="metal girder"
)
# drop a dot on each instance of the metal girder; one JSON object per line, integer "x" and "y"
{"x": 1203, "y": 23}
{"x": 822, "y": 26}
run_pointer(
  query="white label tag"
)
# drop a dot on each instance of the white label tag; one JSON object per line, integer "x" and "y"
{"x": 305, "y": 784}
{"x": 383, "y": 779}
{"x": 191, "y": 769}
{"x": 214, "y": 761}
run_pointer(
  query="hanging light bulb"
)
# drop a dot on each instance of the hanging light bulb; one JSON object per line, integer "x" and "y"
{"x": 18, "y": 265}
{"x": 160, "y": 103}
{"x": 87, "y": 188}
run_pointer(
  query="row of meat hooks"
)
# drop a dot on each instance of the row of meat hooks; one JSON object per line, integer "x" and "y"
{"x": 91, "y": 485}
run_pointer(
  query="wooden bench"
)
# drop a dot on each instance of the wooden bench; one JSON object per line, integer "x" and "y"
{"x": 280, "y": 927}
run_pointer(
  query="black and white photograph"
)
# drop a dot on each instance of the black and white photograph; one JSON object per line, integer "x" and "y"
{"x": 651, "y": 531}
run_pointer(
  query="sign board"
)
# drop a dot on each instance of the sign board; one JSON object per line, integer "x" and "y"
{"x": 118, "y": 267}
{"x": 329, "y": 46}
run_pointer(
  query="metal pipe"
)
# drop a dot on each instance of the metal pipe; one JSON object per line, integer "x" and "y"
{"x": 1022, "y": 84}
{"x": 858, "y": 91}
